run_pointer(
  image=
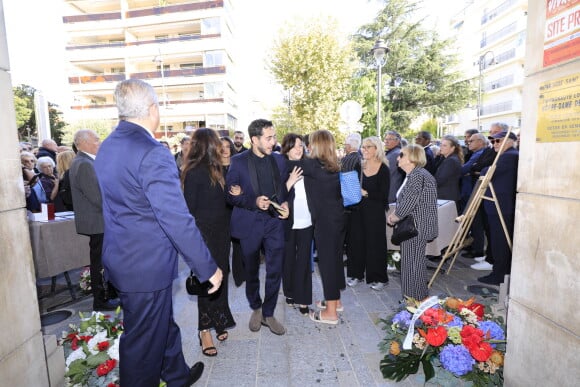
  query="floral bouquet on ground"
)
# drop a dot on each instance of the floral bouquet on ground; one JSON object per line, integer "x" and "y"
{"x": 393, "y": 260}
{"x": 450, "y": 338}
{"x": 92, "y": 350}
{"x": 85, "y": 281}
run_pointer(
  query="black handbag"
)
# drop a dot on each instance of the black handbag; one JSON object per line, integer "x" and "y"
{"x": 404, "y": 229}
{"x": 196, "y": 288}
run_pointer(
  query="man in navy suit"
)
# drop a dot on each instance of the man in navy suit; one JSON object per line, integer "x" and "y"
{"x": 147, "y": 224}
{"x": 261, "y": 175}
{"x": 89, "y": 213}
{"x": 504, "y": 181}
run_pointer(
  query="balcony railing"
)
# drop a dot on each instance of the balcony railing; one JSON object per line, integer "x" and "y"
{"x": 497, "y": 108}
{"x": 182, "y": 38}
{"x": 191, "y": 72}
{"x": 500, "y": 82}
{"x": 169, "y": 102}
{"x": 174, "y": 8}
{"x": 496, "y": 11}
{"x": 144, "y": 12}
{"x": 92, "y": 17}
{"x": 498, "y": 34}
{"x": 100, "y": 78}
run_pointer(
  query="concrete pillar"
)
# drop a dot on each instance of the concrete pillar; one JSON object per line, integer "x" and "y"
{"x": 22, "y": 355}
{"x": 543, "y": 330}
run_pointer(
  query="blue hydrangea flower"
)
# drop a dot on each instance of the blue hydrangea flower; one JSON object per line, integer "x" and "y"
{"x": 403, "y": 319}
{"x": 495, "y": 331}
{"x": 456, "y": 322}
{"x": 456, "y": 359}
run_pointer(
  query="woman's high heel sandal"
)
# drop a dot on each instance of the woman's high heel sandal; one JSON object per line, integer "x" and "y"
{"x": 208, "y": 351}
{"x": 222, "y": 336}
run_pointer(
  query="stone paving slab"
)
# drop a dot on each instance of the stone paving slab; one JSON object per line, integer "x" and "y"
{"x": 309, "y": 354}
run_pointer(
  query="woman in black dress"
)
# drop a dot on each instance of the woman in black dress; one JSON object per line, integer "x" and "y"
{"x": 367, "y": 238}
{"x": 324, "y": 200}
{"x": 203, "y": 187}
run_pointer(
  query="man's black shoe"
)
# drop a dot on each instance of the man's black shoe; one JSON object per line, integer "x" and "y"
{"x": 473, "y": 254}
{"x": 195, "y": 373}
{"x": 106, "y": 305}
{"x": 490, "y": 280}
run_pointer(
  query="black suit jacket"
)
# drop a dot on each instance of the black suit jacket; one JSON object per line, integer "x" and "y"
{"x": 447, "y": 177}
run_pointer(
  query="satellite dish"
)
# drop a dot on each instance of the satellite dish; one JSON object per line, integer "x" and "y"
{"x": 350, "y": 112}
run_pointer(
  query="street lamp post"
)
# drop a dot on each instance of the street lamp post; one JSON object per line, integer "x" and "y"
{"x": 380, "y": 51}
{"x": 159, "y": 59}
{"x": 481, "y": 63}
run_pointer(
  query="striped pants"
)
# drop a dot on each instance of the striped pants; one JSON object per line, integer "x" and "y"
{"x": 414, "y": 268}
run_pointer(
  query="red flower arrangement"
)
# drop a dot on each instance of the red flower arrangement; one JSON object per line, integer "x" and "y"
{"x": 106, "y": 367}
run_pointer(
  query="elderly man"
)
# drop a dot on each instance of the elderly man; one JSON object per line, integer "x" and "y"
{"x": 504, "y": 181}
{"x": 466, "y": 152}
{"x": 182, "y": 154}
{"x": 392, "y": 150}
{"x": 351, "y": 160}
{"x": 49, "y": 148}
{"x": 88, "y": 205}
{"x": 147, "y": 225}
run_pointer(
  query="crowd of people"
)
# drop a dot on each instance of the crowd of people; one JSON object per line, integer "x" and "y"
{"x": 268, "y": 203}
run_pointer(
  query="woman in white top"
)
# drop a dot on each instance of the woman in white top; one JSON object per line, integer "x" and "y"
{"x": 297, "y": 274}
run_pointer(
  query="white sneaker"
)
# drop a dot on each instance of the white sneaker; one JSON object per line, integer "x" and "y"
{"x": 377, "y": 286}
{"x": 352, "y": 282}
{"x": 483, "y": 265}
{"x": 480, "y": 259}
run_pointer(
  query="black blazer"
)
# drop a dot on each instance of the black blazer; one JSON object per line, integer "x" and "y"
{"x": 447, "y": 176}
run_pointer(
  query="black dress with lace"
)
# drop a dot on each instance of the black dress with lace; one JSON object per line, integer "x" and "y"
{"x": 207, "y": 204}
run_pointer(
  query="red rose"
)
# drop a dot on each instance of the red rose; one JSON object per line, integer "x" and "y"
{"x": 74, "y": 343}
{"x": 480, "y": 351}
{"x": 113, "y": 385}
{"x": 436, "y": 336}
{"x": 106, "y": 367}
{"x": 478, "y": 309}
{"x": 103, "y": 345}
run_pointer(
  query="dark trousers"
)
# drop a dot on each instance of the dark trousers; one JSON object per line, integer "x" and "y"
{"x": 238, "y": 271}
{"x": 97, "y": 281}
{"x": 502, "y": 253}
{"x": 486, "y": 226}
{"x": 297, "y": 278}
{"x": 478, "y": 232}
{"x": 269, "y": 234}
{"x": 150, "y": 347}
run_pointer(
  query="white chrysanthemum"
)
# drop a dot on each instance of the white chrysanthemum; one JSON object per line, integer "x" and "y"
{"x": 92, "y": 344}
{"x": 469, "y": 316}
{"x": 75, "y": 355}
{"x": 396, "y": 256}
{"x": 113, "y": 350}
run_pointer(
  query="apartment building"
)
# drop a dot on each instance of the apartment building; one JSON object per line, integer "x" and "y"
{"x": 182, "y": 48}
{"x": 491, "y": 38}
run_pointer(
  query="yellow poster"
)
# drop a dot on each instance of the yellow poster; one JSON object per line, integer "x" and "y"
{"x": 559, "y": 110}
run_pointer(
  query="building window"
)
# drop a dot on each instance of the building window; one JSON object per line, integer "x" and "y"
{"x": 213, "y": 90}
{"x": 211, "y": 26}
{"x": 213, "y": 58}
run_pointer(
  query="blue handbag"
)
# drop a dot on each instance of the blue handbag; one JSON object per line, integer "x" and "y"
{"x": 350, "y": 186}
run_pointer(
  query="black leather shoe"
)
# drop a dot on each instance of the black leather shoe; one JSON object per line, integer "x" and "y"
{"x": 490, "y": 280}
{"x": 195, "y": 373}
{"x": 106, "y": 305}
{"x": 473, "y": 254}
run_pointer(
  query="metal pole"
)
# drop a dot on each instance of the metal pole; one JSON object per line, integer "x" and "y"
{"x": 164, "y": 97}
{"x": 379, "y": 76}
{"x": 479, "y": 93}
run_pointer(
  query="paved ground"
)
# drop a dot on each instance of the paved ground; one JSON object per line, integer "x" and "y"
{"x": 309, "y": 354}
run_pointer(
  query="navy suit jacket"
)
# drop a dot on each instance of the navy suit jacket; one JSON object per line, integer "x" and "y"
{"x": 147, "y": 222}
{"x": 504, "y": 182}
{"x": 243, "y": 173}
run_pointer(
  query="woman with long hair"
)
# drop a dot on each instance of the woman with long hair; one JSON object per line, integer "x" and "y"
{"x": 63, "y": 201}
{"x": 367, "y": 240}
{"x": 418, "y": 197}
{"x": 203, "y": 183}
{"x": 324, "y": 199}
{"x": 297, "y": 274}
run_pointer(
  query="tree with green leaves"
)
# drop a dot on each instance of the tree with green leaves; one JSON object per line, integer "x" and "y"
{"x": 315, "y": 67}
{"x": 26, "y": 118}
{"x": 420, "y": 76}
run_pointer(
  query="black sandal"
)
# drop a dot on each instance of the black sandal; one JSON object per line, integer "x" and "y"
{"x": 222, "y": 336}
{"x": 208, "y": 351}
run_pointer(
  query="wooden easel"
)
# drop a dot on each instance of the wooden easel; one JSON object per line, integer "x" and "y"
{"x": 466, "y": 219}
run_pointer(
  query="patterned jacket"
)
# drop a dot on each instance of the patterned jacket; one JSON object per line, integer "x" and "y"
{"x": 419, "y": 197}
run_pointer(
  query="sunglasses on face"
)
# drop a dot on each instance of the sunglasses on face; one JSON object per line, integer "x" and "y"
{"x": 496, "y": 140}
{"x": 401, "y": 155}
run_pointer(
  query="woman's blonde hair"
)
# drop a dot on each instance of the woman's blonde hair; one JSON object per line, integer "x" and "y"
{"x": 63, "y": 161}
{"x": 323, "y": 148}
{"x": 416, "y": 154}
{"x": 378, "y": 144}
